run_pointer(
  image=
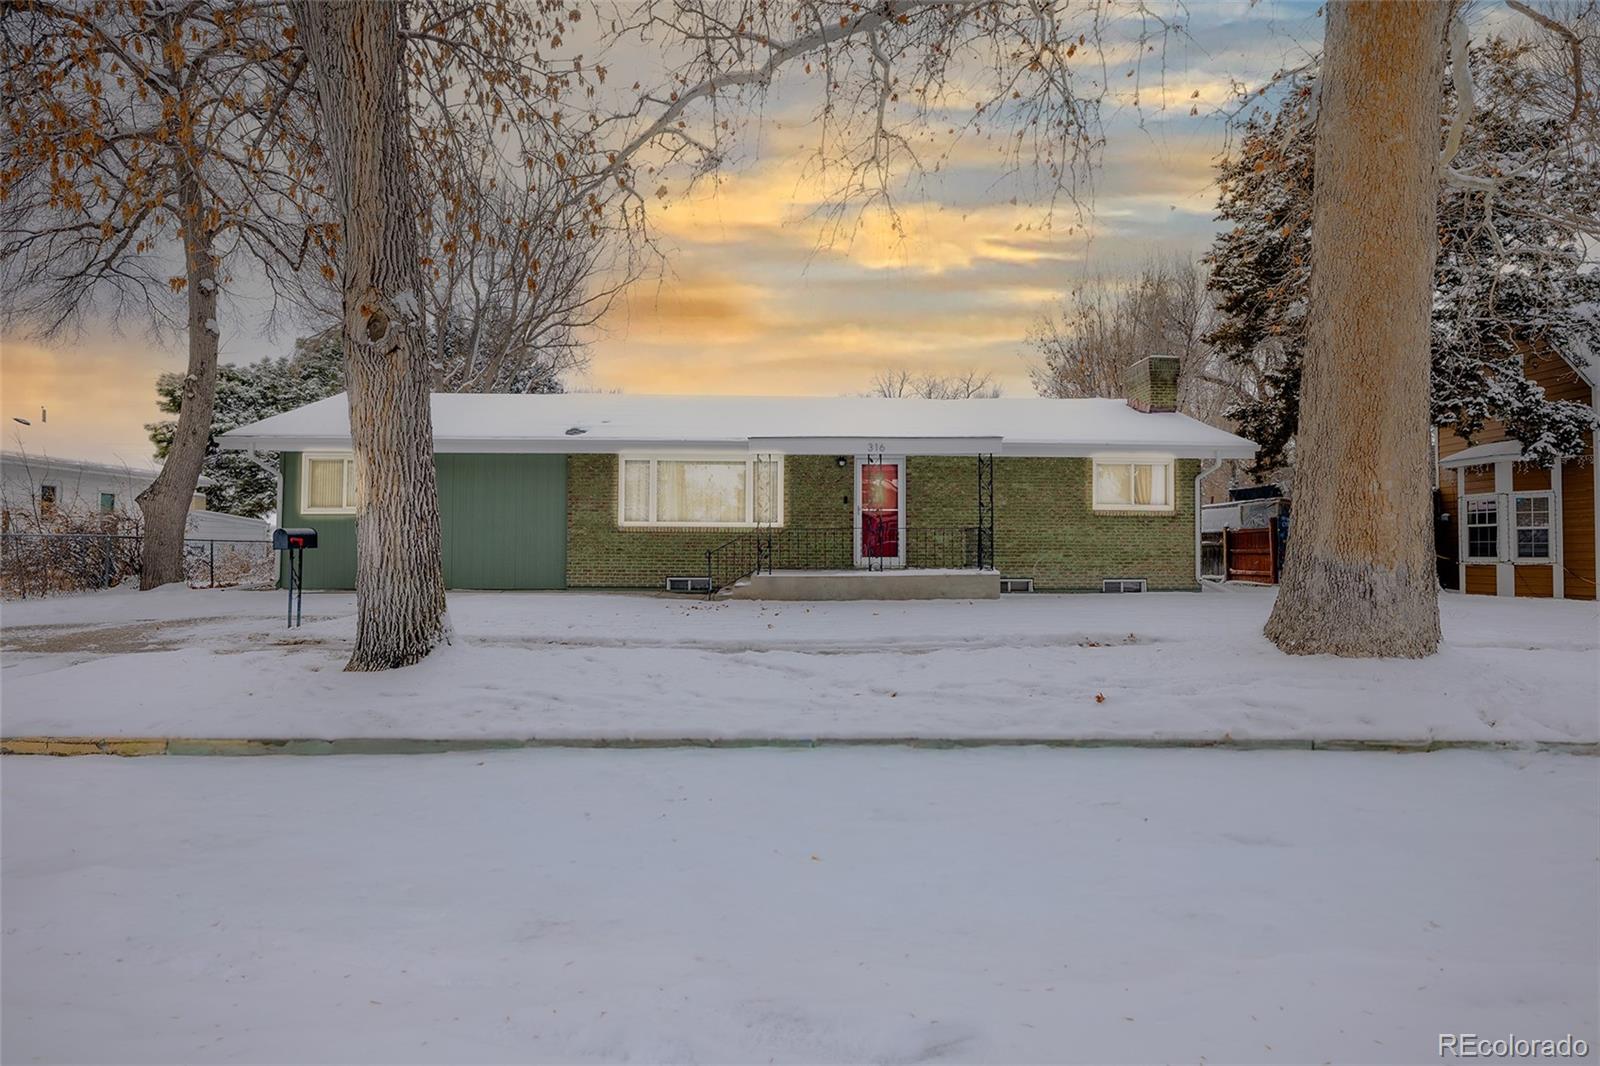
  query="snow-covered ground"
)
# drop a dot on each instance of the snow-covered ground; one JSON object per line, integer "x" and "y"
{"x": 187, "y": 662}
{"x": 885, "y": 905}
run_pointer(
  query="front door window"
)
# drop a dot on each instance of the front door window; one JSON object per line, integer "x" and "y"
{"x": 880, "y": 510}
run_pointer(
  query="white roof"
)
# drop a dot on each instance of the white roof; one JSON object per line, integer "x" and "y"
{"x": 40, "y": 461}
{"x": 219, "y": 525}
{"x": 1483, "y": 453}
{"x": 794, "y": 425}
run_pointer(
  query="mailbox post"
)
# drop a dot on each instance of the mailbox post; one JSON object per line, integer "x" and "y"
{"x": 294, "y": 542}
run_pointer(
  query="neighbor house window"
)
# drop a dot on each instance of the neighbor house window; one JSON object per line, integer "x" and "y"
{"x": 108, "y": 501}
{"x": 1132, "y": 484}
{"x": 1483, "y": 527}
{"x": 47, "y": 498}
{"x": 673, "y": 490}
{"x": 1533, "y": 525}
{"x": 327, "y": 484}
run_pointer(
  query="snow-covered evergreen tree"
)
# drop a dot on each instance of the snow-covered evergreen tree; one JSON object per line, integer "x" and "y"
{"x": 248, "y": 393}
{"x": 1512, "y": 281}
{"x": 1261, "y": 269}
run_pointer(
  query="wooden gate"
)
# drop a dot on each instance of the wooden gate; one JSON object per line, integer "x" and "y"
{"x": 1250, "y": 555}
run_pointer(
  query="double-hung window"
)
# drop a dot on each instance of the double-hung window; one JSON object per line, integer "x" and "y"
{"x": 1483, "y": 528}
{"x": 1518, "y": 531}
{"x": 1133, "y": 483}
{"x": 1532, "y": 516}
{"x": 709, "y": 490}
{"x": 327, "y": 484}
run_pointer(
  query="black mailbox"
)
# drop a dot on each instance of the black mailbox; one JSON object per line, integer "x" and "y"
{"x": 285, "y": 539}
{"x": 294, "y": 542}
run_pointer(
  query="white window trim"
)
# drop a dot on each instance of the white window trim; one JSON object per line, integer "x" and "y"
{"x": 748, "y": 458}
{"x": 1170, "y": 507}
{"x": 1515, "y": 544}
{"x": 1466, "y": 534}
{"x": 305, "y": 483}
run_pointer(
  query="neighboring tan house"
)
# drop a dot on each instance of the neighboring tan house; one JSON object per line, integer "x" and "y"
{"x": 618, "y": 491}
{"x": 42, "y": 493}
{"x": 1519, "y": 529}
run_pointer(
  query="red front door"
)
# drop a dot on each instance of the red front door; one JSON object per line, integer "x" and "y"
{"x": 880, "y": 510}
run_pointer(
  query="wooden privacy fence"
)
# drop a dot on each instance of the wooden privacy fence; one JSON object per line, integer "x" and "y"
{"x": 1250, "y": 555}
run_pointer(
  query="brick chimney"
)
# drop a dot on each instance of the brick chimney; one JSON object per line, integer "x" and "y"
{"x": 1152, "y": 384}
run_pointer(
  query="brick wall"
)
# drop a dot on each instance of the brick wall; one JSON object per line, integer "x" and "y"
{"x": 1045, "y": 527}
{"x": 816, "y": 494}
{"x": 1151, "y": 384}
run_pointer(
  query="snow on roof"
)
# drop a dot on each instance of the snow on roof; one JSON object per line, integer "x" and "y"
{"x": 796, "y": 425}
{"x": 40, "y": 461}
{"x": 1483, "y": 453}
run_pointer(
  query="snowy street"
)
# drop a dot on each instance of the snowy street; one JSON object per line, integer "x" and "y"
{"x": 797, "y": 906}
{"x": 197, "y": 663}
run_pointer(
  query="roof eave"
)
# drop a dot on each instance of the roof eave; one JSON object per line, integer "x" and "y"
{"x": 1238, "y": 449}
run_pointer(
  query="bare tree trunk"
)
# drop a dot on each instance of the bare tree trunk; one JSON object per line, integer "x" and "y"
{"x": 355, "y": 53}
{"x": 165, "y": 504}
{"x": 1360, "y": 577}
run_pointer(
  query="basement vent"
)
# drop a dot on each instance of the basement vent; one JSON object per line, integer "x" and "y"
{"x": 1016, "y": 584}
{"x": 1122, "y": 584}
{"x": 689, "y": 584}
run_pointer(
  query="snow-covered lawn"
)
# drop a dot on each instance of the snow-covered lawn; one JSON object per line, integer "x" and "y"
{"x": 221, "y": 664}
{"x": 885, "y": 905}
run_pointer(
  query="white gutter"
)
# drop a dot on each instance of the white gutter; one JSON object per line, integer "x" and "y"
{"x": 583, "y": 444}
{"x": 1205, "y": 471}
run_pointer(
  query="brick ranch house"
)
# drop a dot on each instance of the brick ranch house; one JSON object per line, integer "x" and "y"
{"x": 1515, "y": 528}
{"x": 616, "y": 491}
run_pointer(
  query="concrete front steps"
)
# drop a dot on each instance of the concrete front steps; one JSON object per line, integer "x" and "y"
{"x": 902, "y": 584}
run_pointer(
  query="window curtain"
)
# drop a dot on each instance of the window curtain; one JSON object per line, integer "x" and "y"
{"x": 326, "y": 486}
{"x": 766, "y": 471}
{"x": 1113, "y": 483}
{"x": 1141, "y": 483}
{"x": 1131, "y": 484}
{"x": 700, "y": 491}
{"x": 636, "y": 490}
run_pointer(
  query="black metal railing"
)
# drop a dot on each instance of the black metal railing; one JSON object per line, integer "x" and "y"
{"x": 44, "y": 564}
{"x": 834, "y": 548}
{"x": 732, "y": 560}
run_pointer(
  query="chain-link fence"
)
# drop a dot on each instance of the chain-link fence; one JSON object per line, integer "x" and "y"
{"x": 45, "y": 564}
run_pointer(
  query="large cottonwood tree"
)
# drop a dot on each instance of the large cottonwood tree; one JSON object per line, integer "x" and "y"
{"x": 355, "y": 52}
{"x": 150, "y": 147}
{"x": 1359, "y": 578}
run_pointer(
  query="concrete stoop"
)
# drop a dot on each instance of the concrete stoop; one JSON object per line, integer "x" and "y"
{"x": 235, "y": 746}
{"x": 902, "y": 584}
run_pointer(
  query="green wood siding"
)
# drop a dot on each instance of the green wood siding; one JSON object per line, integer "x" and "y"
{"x": 332, "y": 563}
{"x": 504, "y": 521}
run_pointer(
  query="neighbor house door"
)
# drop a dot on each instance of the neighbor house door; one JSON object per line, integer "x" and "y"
{"x": 880, "y": 511}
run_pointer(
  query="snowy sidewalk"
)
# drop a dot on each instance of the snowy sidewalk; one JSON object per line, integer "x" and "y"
{"x": 833, "y": 906}
{"x": 609, "y": 668}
